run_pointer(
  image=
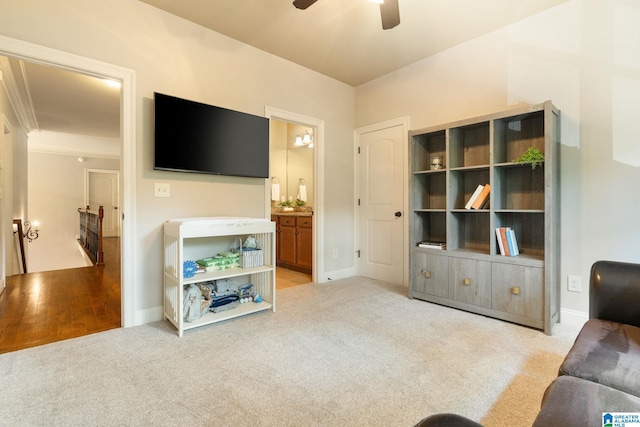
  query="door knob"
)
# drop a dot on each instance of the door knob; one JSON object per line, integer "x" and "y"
{"x": 398, "y": 214}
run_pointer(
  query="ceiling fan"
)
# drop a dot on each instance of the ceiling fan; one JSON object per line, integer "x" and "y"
{"x": 389, "y": 11}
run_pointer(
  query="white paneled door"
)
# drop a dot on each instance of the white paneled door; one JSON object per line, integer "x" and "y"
{"x": 381, "y": 203}
{"x": 102, "y": 190}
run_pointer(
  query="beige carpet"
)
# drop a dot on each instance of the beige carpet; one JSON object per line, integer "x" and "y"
{"x": 353, "y": 352}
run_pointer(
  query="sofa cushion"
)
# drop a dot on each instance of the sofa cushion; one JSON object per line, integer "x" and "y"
{"x": 571, "y": 401}
{"x": 607, "y": 353}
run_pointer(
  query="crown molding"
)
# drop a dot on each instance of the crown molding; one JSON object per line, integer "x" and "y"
{"x": 19, "y": 99}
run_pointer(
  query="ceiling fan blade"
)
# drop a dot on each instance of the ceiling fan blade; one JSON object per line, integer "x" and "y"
{"x": 390, "y": 13}
{"x": 303, "y": 4}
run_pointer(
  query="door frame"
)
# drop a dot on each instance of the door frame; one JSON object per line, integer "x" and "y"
{"x": 318, "y": 275}
{"x": 68, "y": 61}
{"x": 405, "y": 123}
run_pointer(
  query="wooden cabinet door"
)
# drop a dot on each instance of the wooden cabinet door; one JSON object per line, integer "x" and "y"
{"x": 304, "y": 241}
{"x": 470, "y": 281}
{"x": 518, "y": 290}
{"x": 431, "y": 275}
{"x": 287, "y": 239}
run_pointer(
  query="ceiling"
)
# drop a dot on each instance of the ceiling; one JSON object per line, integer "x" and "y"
{"x": 342, "y": 39}
{"x": 52, "y": 99}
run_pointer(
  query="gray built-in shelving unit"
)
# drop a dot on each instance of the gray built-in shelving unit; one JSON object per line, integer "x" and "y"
{"x": 469, "y": 272}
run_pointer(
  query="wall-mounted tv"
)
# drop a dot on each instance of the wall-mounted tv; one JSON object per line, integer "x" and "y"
{"x": 200, "y": 138}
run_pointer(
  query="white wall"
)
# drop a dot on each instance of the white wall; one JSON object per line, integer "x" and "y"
{"x": 582, "y": 56}
{"x": 173, "y": 56}
{"x": 14, "y": 175}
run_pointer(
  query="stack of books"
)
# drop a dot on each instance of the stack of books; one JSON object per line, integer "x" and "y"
{"x": 432, "y": 245}
{"x": 507, "y": 241}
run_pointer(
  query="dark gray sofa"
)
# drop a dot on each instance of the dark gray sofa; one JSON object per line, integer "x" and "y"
{"x": 601, "y": 372}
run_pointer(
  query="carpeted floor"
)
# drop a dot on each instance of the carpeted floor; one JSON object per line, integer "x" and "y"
{"x": 352, "y": 352}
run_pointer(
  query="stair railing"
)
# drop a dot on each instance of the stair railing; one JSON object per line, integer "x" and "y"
{"x": 91, "y": 233}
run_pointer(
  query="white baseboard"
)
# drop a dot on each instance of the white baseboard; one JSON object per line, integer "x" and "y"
{"x": 573, "y": 317}
{"x": 335, "y": 275}
{"x": 148, "y": 315}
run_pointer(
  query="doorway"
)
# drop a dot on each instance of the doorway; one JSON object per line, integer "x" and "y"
{"x": 302, "y": 223}
{"x": 63, "y": 60}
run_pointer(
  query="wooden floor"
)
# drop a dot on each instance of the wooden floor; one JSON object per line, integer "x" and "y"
{"x": 287, "y": 278}
{"x": 43, "y": 307}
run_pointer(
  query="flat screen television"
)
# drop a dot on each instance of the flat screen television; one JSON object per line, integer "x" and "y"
{"x": 200, "y": 138}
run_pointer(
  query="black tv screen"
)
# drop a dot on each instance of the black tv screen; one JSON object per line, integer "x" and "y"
{"x": 200, "y": 138}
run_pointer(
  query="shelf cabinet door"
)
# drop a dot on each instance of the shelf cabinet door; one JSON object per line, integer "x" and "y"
{"x": 431, "y": 274}
{"x": 304, "y": 241}
{"x": 518, "y": 290}
{"x": 287, "y": 242}
{"x": 470, "y": 281}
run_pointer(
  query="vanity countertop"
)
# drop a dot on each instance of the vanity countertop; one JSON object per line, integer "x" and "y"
{"x": 294, "y": 213}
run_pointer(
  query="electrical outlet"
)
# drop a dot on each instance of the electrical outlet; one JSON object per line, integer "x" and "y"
{"x": 335, "y": 254}
{"x": 573, "y": 284}
{"x": 162, "y": 189}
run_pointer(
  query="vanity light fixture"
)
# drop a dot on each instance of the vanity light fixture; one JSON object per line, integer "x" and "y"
{"x": 304, "y": 140}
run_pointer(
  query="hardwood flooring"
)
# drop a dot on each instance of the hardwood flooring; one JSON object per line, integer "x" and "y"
{"x": 287, "y": 278}
{"x": 44, "y": 307}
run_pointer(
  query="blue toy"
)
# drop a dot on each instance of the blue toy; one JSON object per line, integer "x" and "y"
{"x": 189, "y": 269}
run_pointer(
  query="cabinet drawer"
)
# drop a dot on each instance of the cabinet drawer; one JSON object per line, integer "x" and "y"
{"x": 470, "y": 281}
{"x": 518, "y": 290}
{"x": 304, "y": 221}
{"x": 431, "y": 275}
{"x": 288, "y": 221}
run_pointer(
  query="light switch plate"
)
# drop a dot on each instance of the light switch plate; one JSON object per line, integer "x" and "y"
{"x": 162, "y": 189}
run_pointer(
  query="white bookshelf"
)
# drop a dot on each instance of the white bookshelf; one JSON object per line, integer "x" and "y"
{"x": 190, "y": 239}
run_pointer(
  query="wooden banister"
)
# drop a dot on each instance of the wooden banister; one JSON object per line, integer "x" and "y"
{"x": 91, "y": 233}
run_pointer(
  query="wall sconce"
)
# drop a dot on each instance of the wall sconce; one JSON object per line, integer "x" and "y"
{"x": 31, "y": 230}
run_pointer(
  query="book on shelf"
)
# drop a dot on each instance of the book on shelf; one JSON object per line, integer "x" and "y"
{"x": 474, "y": 196}
{"x": 507, "y": 242}
{"x": 432, "y": 245}
{"x": 482, "y": 199}
{"x": 513, "y": 243}
{"x": 503, "y": 244}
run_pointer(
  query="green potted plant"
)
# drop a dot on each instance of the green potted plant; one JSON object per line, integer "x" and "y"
{"x": 533, "y": 156}
{"x": 300, "y": 204}
{"x": 286, "y": 205}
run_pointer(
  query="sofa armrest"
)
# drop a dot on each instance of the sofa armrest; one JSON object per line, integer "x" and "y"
{"x": 615, "y": 292}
